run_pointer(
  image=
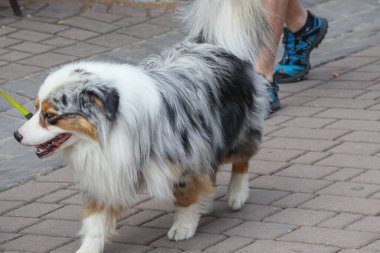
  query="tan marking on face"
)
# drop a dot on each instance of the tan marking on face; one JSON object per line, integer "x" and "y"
{"x": 240, "y": 167}
{"x": 190, "y": 193}
{"x": 46, "y": 107}
{"x": 37, "y": 103}
{"x": 78, "y": 123}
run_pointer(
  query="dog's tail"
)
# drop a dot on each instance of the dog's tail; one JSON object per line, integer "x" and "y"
{"x": 239, "y": 26}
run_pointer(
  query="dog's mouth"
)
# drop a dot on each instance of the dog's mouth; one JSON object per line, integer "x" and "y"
{"x": 49, "y": 147}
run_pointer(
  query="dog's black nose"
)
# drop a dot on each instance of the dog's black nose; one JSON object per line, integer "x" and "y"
{"x": 18, "y": 136}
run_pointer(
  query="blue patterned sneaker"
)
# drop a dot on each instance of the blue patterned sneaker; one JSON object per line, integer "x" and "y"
{"x": 295, "y": 62}
{"x": 274, "y": 101}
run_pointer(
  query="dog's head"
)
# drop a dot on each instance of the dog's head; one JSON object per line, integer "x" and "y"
{"x": 72, "y": 105}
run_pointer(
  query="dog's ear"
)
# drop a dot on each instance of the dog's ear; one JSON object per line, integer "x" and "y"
{"x": 105, "y": 98}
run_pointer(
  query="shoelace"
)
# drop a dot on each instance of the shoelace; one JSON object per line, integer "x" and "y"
{"x": 290, "y": 47}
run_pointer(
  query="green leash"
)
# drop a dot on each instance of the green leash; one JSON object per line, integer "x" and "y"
{"x": 16, "y": 105}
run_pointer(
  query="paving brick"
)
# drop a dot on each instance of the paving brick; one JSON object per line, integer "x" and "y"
{"x": 299, "y": 217}
{"x": 264, "y": 167}
{"x": 77, "y": 34}
{"x": 14, "y": 224}
{"x": 353, "y": 161}
{"x": 4, "y": 42}
{"x": 59, "y": 42}
{"x": 293, "y": 200}
{"x": 369, "y": 177}
{"x": 154, "y": 204}
{"x": 373, "y": 95}
{"x": 372, "y": 247}
{"x": 344, "y": 204}
{"x": 349, "y": 114}
{"x": 362, "y": 136}
{"x": 5, "y": 30}
{"x": 351, "y": 62}
{"x": 48, "y": 60}
{"x": 333, "y": 237}
{"x": 6, "y": 206}
{"x": 101, "y": 16}
{"x": 296, "y": 100}
{"x": 350, "y": 189}
{"x": 141, "y": 217}
{"x": 5, "y": 237}
{"x": 30, "y": 191}
{"x": 64, "y": 175}
{"x": 230, "y": 245}
{"x": 289, "y": 184}
{"x": 367, "y": 224}
{"x": 264, "y": 197}
{"x": 337, "y": 84}
{"x": 14, "y": 56}
{"x": 64, "y": 228}
{"x": 15, "y": 71}
{"x": 218, "y": 226}
{"x": 260, "y": 230}
{"x": 200, "y": 241}
{"x": 356, "y": 148}
{"x": 276, "y": 120}
{"x": 307, "y": 171}
{"x": 307, "y": 133}
{"x": 310, "y": 158}
{"x": 300, "y": 111}
{"x": 348, "y": 103}
{"x": 138, "y": 235}
{"x": 360, "y": 76}
{"x": 57, "y": 196}
{"x": 340, "y": 221}
{"x": 331, "y": 93}
{"x": 81, "y": 50}
{"x": 113, "y": 40}
{"x": 356, "y": 125}
{"x": 248, "y": 211}
{"x": 61, "y": 10}
{"x": 74, "y": 200}
{"x": 355, "y": 251}
{"x": 33, "y": 243}
{"x": 344, "y": 174}
{"x": 166, "y": 221}
{"x": 34, "y": 210}
{"x": 164, "y": 250}
{"x": 277, "y": 155}
{"x": 308, "y": 122}
{"x": 68, "y": 212}
{"x": 89, "y": 24}
{"x": 144, "y": 30}
{"x": 30, "y": 35}
{"x": 261, "y": 246}
{"x": 32, "y": 47}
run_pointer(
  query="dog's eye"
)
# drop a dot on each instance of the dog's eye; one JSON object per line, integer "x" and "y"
{"x": 48, "y": 116}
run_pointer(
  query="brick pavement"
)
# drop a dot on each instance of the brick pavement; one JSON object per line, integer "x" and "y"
{"x": 315, "y": 185}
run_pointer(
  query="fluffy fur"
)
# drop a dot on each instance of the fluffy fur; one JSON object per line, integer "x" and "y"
{"x": 164, "y": 126}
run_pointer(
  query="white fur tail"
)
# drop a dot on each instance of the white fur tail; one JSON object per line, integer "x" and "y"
{"x": 236, "y": 25}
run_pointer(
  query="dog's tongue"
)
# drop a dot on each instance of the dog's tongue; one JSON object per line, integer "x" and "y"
{"x": 47, "y": 147}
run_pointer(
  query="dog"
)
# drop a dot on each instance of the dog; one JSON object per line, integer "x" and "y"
{"x": 164, "y": 126}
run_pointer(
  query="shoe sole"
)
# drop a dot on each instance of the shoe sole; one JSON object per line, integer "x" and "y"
{"x": 302, "y": 75}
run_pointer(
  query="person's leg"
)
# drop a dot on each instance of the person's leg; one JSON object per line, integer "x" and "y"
{"x": 295, "y": 16}
{"x": 276, "y": 12}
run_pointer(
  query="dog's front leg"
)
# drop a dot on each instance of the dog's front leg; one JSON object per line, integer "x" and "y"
{"x": 98, "y": 223}
{"x": 193, "y": 197}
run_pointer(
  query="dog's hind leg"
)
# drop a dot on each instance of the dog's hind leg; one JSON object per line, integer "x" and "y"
{"x": 238, "y": 188}
{"x": 98, "y": 223}
{"x": 193, "y": 197}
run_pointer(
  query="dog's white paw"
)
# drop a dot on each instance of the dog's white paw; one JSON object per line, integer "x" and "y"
{"x": 238, "y": 191}
{"x": 180, "y": 232}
